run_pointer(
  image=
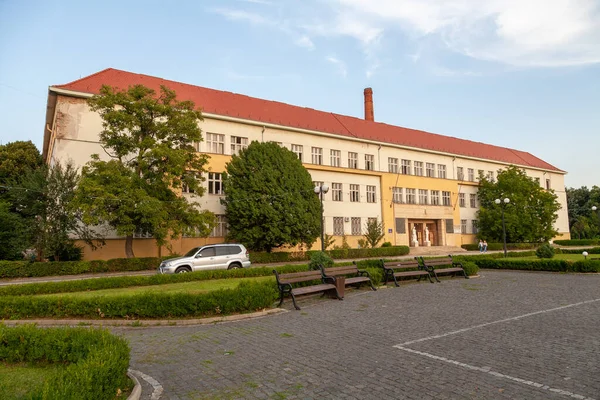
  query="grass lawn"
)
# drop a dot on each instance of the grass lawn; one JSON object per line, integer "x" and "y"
{"x": 17, "y": 381}
{"x": 189, "y": 287}
{"x": 570, "y": 257}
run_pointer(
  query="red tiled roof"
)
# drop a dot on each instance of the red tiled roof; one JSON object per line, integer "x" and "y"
{"x": 251, "y": 108}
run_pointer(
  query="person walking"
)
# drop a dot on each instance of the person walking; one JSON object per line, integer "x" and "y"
{"x": 480, "y": 246}
{"x": 485, "y": 246}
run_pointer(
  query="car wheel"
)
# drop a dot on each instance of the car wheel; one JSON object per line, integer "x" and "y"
{"x": 183, "y": 270}
{"x": 235, "y": 266}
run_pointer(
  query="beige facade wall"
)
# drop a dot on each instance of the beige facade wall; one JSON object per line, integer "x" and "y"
{"x": 75, "y": 136}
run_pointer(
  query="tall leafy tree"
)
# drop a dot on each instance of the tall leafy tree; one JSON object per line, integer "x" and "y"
{"x": 270, "y": 199}
{"x": 16, "y": 159}
{"x": 583, "y": 222}
{"x": 529, "y": 216}
{"x": 12, "y": 233}
{"x": 148, "y": 138}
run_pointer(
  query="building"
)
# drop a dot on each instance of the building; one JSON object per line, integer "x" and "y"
{"x": 417, "y": 183}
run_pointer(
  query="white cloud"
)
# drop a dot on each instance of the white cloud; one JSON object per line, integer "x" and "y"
{"x": 340, "y": 65}
{"x": 304, "y": 41}
{"x": 240, "y": 15}
{"x": 263, "y": 2}
{"x": 538, "y": 33}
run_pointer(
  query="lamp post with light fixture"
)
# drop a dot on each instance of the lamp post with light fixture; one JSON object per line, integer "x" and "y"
{"x": 502, "y": 203}
{"x": 321, "y": 190}
{"x": 594, "y": 209}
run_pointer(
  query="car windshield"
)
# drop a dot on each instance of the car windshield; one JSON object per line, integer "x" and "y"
{"x": 191, "y": 252}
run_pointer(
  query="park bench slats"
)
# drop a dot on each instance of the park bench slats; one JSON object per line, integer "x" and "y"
{"x": 399, "y": 269}
{"x": 359, "y": 275}
{"x": 285, "y": 281}
{"x": 455, "y": 266}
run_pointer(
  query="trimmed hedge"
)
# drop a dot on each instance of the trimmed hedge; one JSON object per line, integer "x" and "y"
{"x": 540, "y": 265}
{"x": 593, "y": 250}
{"x": 337, "y": 254}
{"x": 577, "y": 242}
{"x": 96, "y": 361}
{"x": 500, "y": 246}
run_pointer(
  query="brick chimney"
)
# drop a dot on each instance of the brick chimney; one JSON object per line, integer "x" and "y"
{"x": 369, "y": 116}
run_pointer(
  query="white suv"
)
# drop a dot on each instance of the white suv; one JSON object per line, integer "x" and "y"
{"x": 211, "y": 256}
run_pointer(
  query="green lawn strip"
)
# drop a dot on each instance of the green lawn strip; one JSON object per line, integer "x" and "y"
{"x": 18, "y": 381}
{"x": 568, "y": 257}
{"x": 195, "y": 287}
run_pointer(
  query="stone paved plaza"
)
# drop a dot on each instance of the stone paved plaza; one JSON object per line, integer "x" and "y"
{"x": 506, "y": 335}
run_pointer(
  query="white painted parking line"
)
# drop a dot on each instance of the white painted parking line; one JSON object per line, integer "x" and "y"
{"x": 158, "y": 389}
{"x": 495, "y": 322}
{"x": 487, "y": 370}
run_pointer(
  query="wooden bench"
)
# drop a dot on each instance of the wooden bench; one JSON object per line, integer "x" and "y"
{"x": 351, "y": 273}
{"x": 398, "y": 269}
{"x": 455, "y": 267}
{"x": 285, "y": 281}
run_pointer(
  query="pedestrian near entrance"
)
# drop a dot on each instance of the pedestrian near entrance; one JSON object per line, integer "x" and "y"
{"x": 480, "y": 246}
{"x": 485, "y": 246}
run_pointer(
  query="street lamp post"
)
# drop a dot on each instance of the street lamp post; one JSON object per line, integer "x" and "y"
{"x": 594, "y": 209}
{"x": 503, "y": 203}
{"x": 321, "y": 190}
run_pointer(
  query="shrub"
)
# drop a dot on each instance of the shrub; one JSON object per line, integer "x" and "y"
{"x": 500, "y": 246}
{"x": 578, "y": 242}
{"x": 545, "y": 251}
{"x": 386, "y": 244}
{"x": 594, "y": 250}
{"x": 320, "y": 258}
{"x": 470, "y": 268}
{"x": 96, "y": 361}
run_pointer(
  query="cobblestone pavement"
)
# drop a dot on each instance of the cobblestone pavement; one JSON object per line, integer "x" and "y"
{"x": 506, "y": 335}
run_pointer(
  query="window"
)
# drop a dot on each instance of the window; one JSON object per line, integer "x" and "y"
{"x": 463, "y": 226}
{"x": 215, "y": 143}
{"x": 336, "y": 158}
{"x": 537, "y": 180}
{"x": 141, "y": 234}
{"x": 215, "y": 183}
{"x": 185, "y": 188}
{"x": 490, "y": 175}
{"x": 419, "y": 168}
{"x": 397, "y": 196}
{"x": 430, "y": 170}
{"x": 406, "y": 167}
{"x": 423, "y": 196}
{"x": 336, "y": 192}
{"x": 238, "y": 143}
{"x": 371, "y": 194}
{"x": 435, "y": 197}
{"x": 473, "y": 200}
{"x": 356, "y": 226}
{"x": 441, "y": 171}
{"x": 352, "y": 160}
{"x": 479, "y": 173}
{"x": 196, "y": 146}
{"x": 446, "y": 198}
{"x": 317, "y": 155}
{"x": 338, "y": 226}
{"x": 393, "y": 165}
{"x": 460, "y": 175}
{"x": 411, "y": 196}
{"x": 297, "y": 149}
{"x": 547, "y": 184}
{"x": 220, "y": 230}
{"x": 471, "y": 174}
{"x": 369, "y": 162}
{"x": 474, "y": 226}
{"x": 318, "y": 184}
{"x": 461, "y": 200}
{"x": 354, "y": 193}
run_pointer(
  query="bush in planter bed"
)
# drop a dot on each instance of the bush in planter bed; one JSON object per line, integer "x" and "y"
{"x": 320, "y": 258}
{"x": 577, "y": 242}
{"x": 545, "y": 251}
{"x": 594, "y": 250}
{"x": 470, "y": 268}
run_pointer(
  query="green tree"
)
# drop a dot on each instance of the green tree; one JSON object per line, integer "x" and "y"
{"x": 12, "y": 233}
{"x": 16, "y": 159}
{"x": 529, "y": 216}
{"x": 270, "y": 199}
{"x": 374, "y": 232}
{"x": 148, "y": 138}
{"x": 584, "y": 224}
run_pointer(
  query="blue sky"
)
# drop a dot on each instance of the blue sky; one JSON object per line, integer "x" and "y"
{"x": 523, "y": 74}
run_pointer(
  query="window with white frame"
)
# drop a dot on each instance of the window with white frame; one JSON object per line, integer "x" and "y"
{"x": 354, "y": 193}
{"x": 445, "y": 198}
{"x": 463, "y": 226}
{"x": 317, "y": 155}
{"x": 356, "y": 228}
{"x": 473, "y": 200}
{"x": 196, "y": 146}
{"x": 397, "y": 195}
{"x": 480, "y": 173}
{"x": 474, "y": 226}
{"x": 460, "y": 175}
{"x": 430, "y": 170}
{"x": 336, "y": 192}
{"x": 548, "y": 187}
{"x": 142, "y": 234}
{"x": 215, "y": 183}
{"x": 419, "y": 168}
{"x": 490, "y": 175}
{"x": 441, "y": 171}
{"x": 423, "y": 196}
{"x": 406, "y": 167}
{"x": 238, "y": 143}
{"x": 215, "y": 143}
{"x": 369, "y": 162}
{"x": 471, "y": 174}
{"x": 336, "y": 158}
{"x": 371, "y": 197}
{"x": 352, "y": 160}
{"x": 338, "y": 226}
{"x": 461, "y": 200}
{"x": 185, "y": 188}
{"x": 435, "y": 197}
{"x": 318, "y": 183}
{"x": 393, "y": 165}
{"x": 220, "y": 230}
{"x": 371, "y": 220}
{"x": 298, "y": 149}
{"x": 411, "y": 196}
